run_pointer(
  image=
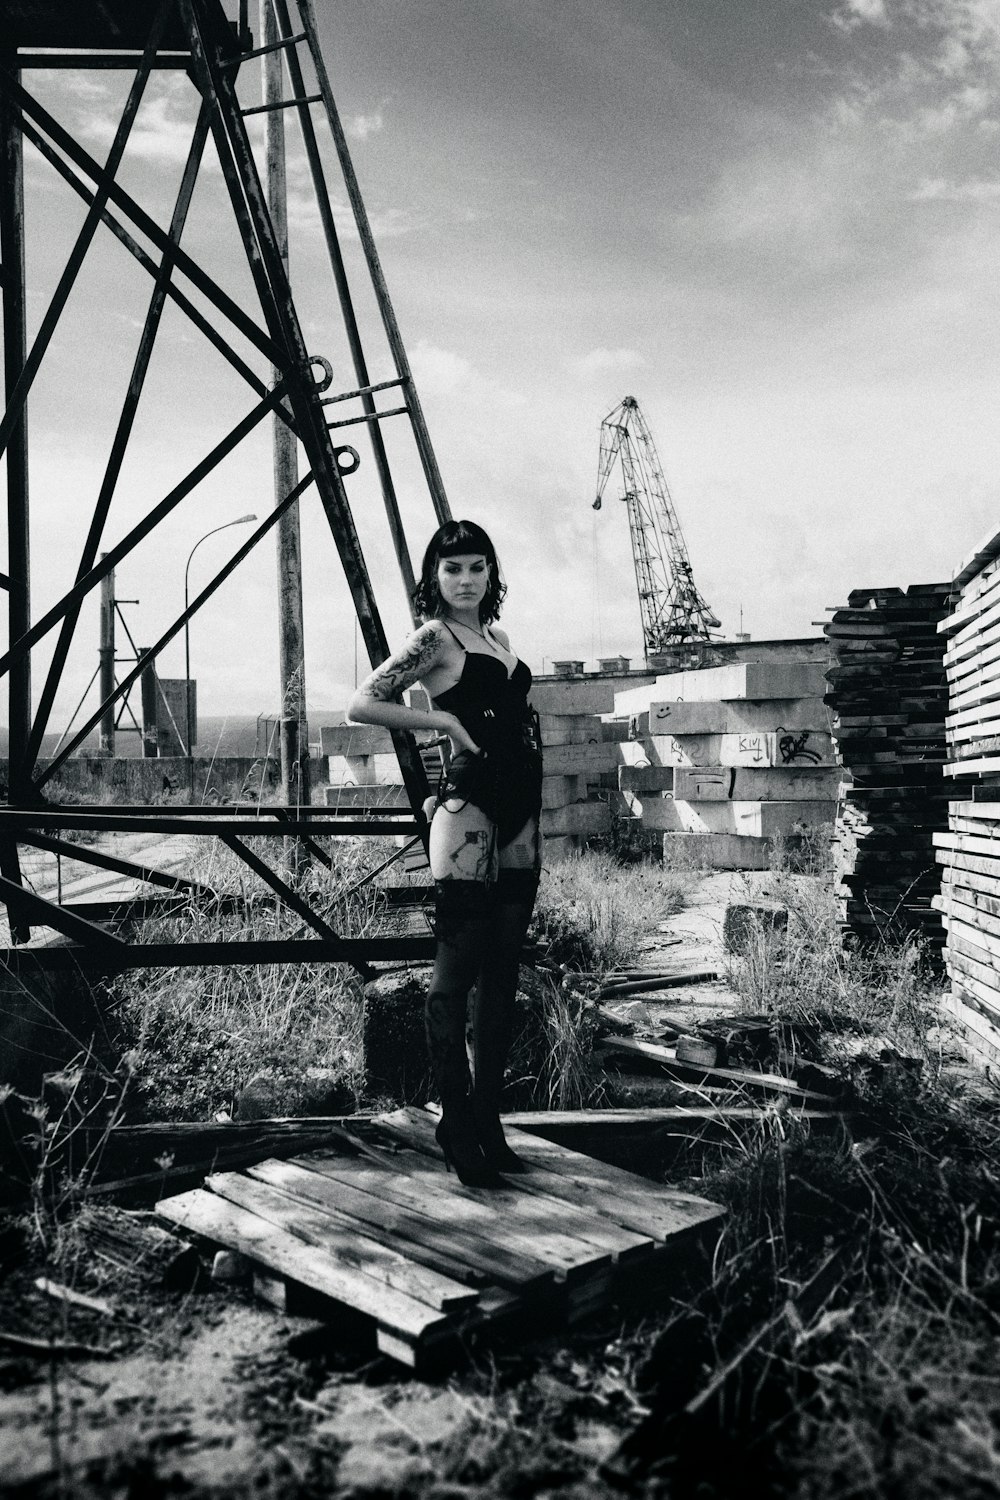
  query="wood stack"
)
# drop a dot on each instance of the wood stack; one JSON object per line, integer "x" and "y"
{"x": 969, "y": 852}
{"x": 889, "y": 696}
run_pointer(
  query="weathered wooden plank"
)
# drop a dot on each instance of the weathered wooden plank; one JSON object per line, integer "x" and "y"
{"x": 663, "y": 1213}
{"x": 494, "y": 1212}
{"x": 666, "y": 1058}
{"x": 341, "y": 1237}
{"x": 452, "y": 1246}
{"x": 213, "y": 1218}
{"x": 416, "y": 1128}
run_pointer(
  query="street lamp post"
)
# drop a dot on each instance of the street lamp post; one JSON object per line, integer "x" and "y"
{"x": 188, "y": 716}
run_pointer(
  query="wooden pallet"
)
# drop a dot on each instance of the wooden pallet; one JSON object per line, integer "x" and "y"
{"x": 428, "y": 1263}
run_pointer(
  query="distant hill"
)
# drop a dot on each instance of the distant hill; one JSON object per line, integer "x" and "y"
{"x": 228, "y": 734}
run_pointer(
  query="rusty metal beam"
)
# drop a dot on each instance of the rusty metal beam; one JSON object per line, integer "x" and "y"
{"x": 278, "y": 11}
{"x": 200, "y": 955}
{"x": 421, "y": 434}
{"x": 292, "y": 899}
{"x": 102, "y": 861}
{"x": 139, "y": 217}
{"x": 112, "y": 472}
{"x": 19, "y": 395}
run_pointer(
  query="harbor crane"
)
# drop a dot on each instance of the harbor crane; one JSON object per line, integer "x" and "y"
{"x": 673, "y": 611}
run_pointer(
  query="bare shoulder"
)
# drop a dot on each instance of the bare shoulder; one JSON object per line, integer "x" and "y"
{"x": 501, "y": 636}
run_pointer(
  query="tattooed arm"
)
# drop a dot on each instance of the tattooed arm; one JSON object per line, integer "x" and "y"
{"x": 374, "y": 701}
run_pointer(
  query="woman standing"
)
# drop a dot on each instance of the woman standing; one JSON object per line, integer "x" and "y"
{"x": 484, "y": 837}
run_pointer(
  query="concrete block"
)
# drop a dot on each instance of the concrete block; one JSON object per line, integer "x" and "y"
{"x": 755, "y": 819}
{"x": 580, "y": 760}
{"x": 559, "y": 791}
{"x": 557, "y": 847}
{"x": 571, "y": 729}
{"x": 583, "y": 818}
{"x": 580, "y": 695}
{"x": 752, "y": 784}
{"x": 717, "y": 717}
{"x": 646, "y": 778}
{"x": 750, "y": 680}
{"x": 746, "y": 922}
{"x": 760, "y": 749}
{"x": 716, "y": 851}
{"x": 354, "y": 739}
{"x": 363, "y": 770}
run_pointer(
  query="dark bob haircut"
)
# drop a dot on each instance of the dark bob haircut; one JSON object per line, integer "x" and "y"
{"x": 453, "y": 539}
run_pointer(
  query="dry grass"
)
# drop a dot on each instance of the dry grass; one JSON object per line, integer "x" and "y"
{"x": 194, "y": 1037}
{"x": 594, "y": 912}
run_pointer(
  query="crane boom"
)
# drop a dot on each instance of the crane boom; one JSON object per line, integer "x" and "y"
{"x": 672, "y": 609}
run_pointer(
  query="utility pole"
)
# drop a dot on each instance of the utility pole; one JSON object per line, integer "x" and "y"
{"x": 294, "y": 729}
{"x": 106, "y": 680}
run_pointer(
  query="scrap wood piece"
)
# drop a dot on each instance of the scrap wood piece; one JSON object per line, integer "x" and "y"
{"x": 495, "y": 1213}
{"x": 74, "y": 1299}
{"x": 403, "y": 1323}
{"x": 186, "y": 1150}
{"x": 746, "y": 1077}
{"x": 660, "y": 982}
{"x": 64, "y": 1348}
{"x": 449, "y": 1248}
{"x": 675, "y": 1119}
{"x": 623, "y": 1244}
{"x": 342, "y": 1237}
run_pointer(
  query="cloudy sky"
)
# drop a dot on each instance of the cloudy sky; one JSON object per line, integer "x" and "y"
{"x": 774, "y": 222}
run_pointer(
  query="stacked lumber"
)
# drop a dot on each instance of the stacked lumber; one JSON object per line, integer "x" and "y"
{"x": 969, "y": 851}
{"x": 426, "y": 1264}
{"x": 722, "y": 761}
{"x": 889, "y": 696}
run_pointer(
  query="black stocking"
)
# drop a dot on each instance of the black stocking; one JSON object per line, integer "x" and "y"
{"x": 462, "y": 917}
{"x": 494, "y": 1008}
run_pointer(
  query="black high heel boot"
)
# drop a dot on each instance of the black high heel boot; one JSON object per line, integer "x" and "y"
{"x": 464, "y": 1153}
{"x": 496, "y": 1151}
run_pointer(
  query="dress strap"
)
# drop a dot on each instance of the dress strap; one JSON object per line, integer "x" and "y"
{"x": 454, "y": 636}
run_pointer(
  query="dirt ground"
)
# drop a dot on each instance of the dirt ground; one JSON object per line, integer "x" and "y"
{"x": 209, "y": 1393}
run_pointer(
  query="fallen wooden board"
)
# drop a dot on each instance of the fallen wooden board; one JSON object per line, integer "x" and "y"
{"x": 745, "y": 1077}
{"x": 658, "y": 982}
{"x": 402, "y": 1322}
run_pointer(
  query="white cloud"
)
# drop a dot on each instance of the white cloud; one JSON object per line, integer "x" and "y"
{"x": 160, "y": 133}
{"x": 854, "y": 13}
{"x": 360, "y": 127}
{"x": 599, "y": 361}
{"x": 940, "y": 190}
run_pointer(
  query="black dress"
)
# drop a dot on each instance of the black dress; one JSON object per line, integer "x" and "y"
{"x": 505, "y": 781}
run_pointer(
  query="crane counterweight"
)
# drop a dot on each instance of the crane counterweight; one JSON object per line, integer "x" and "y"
{"x": 673, "y": 611}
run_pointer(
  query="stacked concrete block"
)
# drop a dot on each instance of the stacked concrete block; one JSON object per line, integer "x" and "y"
{"x": 576, "y": 758}
{"x": 724, "y": 760}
